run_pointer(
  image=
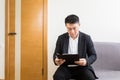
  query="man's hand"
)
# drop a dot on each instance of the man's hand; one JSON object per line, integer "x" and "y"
{"x": 81, "y": 62}
{"x": 59, "y": 61}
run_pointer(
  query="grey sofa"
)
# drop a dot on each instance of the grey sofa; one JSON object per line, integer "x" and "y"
{"x": 107, "y": 66}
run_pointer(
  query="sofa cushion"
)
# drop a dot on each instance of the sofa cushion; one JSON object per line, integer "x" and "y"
{"x": 108, "y": 75}
{"x": 108, "y": 56}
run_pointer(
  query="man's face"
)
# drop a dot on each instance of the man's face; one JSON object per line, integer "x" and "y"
{"x": 73, "y": 29}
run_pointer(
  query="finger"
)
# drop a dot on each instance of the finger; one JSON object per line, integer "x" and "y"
{"x": 77, "y": 62}
{"x": 64, "y": 60}
{"x": 83, "y": 63}
{"x": 82, "y": 59}
{"x": 61, "y": 61}
{"x": 57, "y": 59}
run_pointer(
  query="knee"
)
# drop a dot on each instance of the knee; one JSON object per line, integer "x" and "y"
{"x": 58, "y": 77}
{"x": 89, "y": 75}
{"x": 90, "y": 78}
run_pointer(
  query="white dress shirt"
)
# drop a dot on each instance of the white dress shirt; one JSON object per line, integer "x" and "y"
{"x": 73, "y": 48}
{"x": 73, "y": 45}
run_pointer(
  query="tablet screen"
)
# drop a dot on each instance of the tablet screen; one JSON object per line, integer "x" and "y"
{"x": 70, "y": 58}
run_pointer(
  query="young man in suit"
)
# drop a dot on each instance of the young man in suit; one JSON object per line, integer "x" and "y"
{"x": 74, "y": 42}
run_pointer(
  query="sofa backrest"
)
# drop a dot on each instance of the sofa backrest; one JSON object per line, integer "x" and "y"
{"x": 108, "y": 56}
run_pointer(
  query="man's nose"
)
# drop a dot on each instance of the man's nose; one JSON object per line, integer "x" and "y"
{"x": 72, "y": 31}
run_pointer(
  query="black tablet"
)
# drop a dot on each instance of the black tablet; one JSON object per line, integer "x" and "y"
{"x": 69, "y": 58}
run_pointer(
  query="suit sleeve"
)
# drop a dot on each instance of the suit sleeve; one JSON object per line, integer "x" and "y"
{"x": 91, "y": 53}
{"x": 57, "y": 49}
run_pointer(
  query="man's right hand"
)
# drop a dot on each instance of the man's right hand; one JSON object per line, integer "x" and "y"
{"x": 59, "y": 61}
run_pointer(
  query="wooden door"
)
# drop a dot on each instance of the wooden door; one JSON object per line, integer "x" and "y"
{"x": 9, "y": 40}
{"x": 33, "y": 64}
{"x": 32, "y": 38}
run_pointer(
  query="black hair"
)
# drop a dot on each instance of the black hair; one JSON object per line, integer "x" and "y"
{"x": 72, "y": 19}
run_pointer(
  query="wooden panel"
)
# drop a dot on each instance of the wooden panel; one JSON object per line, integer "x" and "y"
{"x": 45, "y": 76}
{"x": 9, "y": 40}
{"x": 6, "y": 42}
{"x": 31, "y": 39}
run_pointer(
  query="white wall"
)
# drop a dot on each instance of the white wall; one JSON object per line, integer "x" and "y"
{"x": 99, "y": 18}
{"x": 2, "y": 40}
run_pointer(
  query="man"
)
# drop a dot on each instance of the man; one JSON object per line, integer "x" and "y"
{"x": 74, "y": 42}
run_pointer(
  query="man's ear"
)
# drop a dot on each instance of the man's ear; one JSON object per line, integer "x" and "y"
{"x": 79, "y": 25}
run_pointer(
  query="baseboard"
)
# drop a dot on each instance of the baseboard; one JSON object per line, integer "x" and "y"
{"x": 1, "y": 79}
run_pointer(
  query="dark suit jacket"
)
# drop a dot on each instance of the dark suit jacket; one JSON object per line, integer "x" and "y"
{"x": 85, "y": 48}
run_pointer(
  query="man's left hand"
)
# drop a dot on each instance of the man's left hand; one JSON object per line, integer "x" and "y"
{"x": 81, "y": 62}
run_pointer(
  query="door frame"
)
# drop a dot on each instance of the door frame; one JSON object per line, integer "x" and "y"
{"x": 45, "y": 51}
{"x": 10, "y": 15}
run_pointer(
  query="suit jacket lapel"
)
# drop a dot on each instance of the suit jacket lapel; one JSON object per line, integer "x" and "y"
{"x": 66, "y": 43}
{"x": 80, "y": 45}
